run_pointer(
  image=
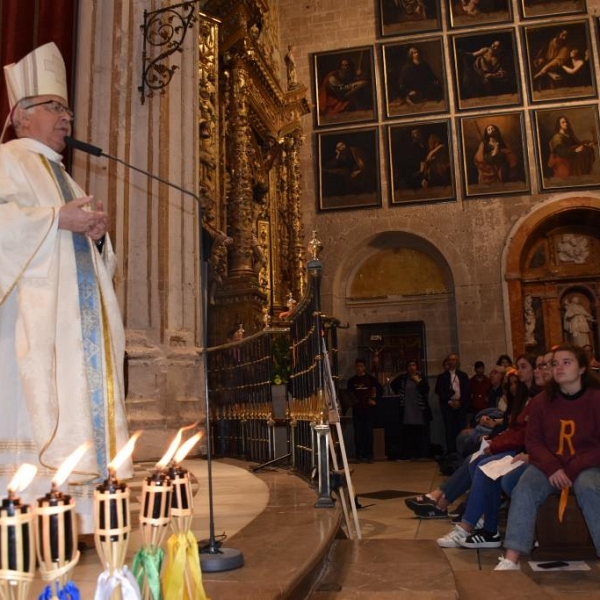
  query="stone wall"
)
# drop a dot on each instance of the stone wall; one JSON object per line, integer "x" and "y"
{"x": 470, "y": 234}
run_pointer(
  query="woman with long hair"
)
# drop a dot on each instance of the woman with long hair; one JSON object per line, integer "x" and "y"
{"x": 568, "y": 155}
{"x": 485, "y": 495}
{"x": 563, "y": 443}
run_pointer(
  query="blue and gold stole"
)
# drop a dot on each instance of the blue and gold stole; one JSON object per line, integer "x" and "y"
{"x": 92, "y": 327}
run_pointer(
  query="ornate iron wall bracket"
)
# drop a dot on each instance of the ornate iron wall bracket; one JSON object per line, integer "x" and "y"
{"x": 164, "y": 29}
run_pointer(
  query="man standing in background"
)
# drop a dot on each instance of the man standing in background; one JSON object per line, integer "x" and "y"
{"x": 452, "y": 389}
{"x": 367, "y": 391}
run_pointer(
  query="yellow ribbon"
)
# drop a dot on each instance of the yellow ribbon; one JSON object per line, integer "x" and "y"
{"x": 182, "y": 577}
{"x": 562, "y": 503}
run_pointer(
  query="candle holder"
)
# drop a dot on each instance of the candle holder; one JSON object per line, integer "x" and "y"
{"x": 56, "y": 537}
{"x": 155, "y": 516}
{"x": 17, "y": 549}
{"x": 112, "y": 526}
{"x": 112, "y": 523}
{"x": 182, "y": 546}
{"x": 111, "y": 536}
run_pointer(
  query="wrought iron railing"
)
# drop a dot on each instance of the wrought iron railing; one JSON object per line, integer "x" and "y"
{"x": 241, "y": 375}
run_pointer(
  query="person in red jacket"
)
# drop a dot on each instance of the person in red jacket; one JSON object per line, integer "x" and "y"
{"x": 485, "y": 495}
{"x": 563, "y": 443}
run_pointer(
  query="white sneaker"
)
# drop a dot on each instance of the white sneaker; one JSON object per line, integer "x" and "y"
{"x": 507, "y": 565}
{"x": 451, "y": 539}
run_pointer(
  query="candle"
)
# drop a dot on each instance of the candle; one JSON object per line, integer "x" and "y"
{"x": 156, "y": 498}
{"x": 14, "y": 537}
{"x": 17, "y": 538}
{"x": 181, "y": 501}
{"x": 57, "y": 529}
{"x": 111, "y": 512}
{"x": 57, "y": 526}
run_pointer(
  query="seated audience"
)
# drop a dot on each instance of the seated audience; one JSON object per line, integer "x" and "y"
{"x": 496, "y": 390}
{"x": 563, "y": 443}
{"x": 504, "y": 360}
{"x": 487, "y": 421}
{"x": 485, "y": 494}
{"x": 434, "y": 505}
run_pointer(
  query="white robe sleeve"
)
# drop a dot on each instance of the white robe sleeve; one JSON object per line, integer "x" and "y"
{"x": 27, "y": 231}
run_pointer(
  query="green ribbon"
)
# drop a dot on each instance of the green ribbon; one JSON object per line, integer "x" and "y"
{"x": 146, "y": 566}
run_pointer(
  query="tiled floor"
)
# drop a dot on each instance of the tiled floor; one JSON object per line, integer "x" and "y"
{"x": 244, "y": 502}
{"x": 389, "y": 519}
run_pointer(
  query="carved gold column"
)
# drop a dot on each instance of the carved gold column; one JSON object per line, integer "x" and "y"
{"x": 239, "y": 197}
{"x": 208, "y": 120}
{"x": 297, "y": 260}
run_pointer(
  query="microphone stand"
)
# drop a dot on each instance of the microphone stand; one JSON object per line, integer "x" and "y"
{"x": 213, "y": 557}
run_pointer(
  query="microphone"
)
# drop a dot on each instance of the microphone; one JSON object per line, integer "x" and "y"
{"x": 97, "y": 151}
{"x": 79, "y": 145}
{"x": 205, "y": 245}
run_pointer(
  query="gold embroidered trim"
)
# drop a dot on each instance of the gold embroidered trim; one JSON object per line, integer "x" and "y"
{"x": 110, "y": 385}
{"x": 18, "y": 446}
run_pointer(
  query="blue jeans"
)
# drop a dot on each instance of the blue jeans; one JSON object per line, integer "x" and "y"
{"x": 485, "y": 495}
{"x": 510, "y": 480}
{"x": 460, "y": 481}
{"x": 531, "y": 492}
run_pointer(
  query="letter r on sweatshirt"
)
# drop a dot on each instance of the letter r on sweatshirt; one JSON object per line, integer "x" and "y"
{"x": 567, "y": 431}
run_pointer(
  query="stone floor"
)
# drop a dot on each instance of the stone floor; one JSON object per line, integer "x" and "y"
{"x": 270, "y": 517}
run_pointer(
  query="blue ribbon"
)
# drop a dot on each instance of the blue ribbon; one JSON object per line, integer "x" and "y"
{"x": 69, "y": 592}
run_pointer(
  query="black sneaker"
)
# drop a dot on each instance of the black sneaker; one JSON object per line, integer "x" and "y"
{"x": 480, "y": 538}
{"x": 415, "y": 501}
{"x": 430, "y": 511}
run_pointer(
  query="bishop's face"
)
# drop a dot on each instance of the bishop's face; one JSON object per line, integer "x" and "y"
{"x": 46, "y": 119}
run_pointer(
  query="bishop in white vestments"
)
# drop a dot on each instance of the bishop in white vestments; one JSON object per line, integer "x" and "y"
{"x": 61, "y": 334}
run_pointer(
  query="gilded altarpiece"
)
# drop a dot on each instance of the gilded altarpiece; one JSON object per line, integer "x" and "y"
{"x": 258, "y": 205}
{"x": 559, "y": 293}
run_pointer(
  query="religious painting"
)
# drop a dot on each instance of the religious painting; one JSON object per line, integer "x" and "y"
{"x": 414, "y": 75}
{"x": 567, "y": 147}
{"x": 474, "y": 13}
{"x": 494, "y": 155}
{"x": 532, "y": 9}
{"x": 486, "y": 71}
{"x": 560, "y": 62}
{"x": 348, "y": 166}
{"x": 421, "y": 165}
{"x": 345, "y": 86}
{"x": 399, "y": 17}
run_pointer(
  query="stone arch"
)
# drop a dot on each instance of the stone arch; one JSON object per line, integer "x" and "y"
{"x": 437, "y": 310}
{"x": 381, "y": 244}
{"x": 534, "y": 265}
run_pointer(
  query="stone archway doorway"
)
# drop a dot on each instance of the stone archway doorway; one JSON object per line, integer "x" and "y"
{"x": 552, "y": 270}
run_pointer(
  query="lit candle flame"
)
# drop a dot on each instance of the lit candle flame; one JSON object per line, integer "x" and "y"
{"x": 186, "y": 447}
{"x": 166, "y": 459}
{"x": 69, "y": 464}
{"x": 23, "y": 477}
{"x": 123, "y": 454}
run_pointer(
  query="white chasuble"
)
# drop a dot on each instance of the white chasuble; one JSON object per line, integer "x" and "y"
{"x": 62, "y": 341}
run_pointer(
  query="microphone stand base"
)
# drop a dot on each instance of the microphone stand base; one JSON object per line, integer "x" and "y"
{"x": 221, "y": 559}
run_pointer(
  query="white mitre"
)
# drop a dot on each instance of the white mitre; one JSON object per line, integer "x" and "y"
{"x": 40, "y": 73}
